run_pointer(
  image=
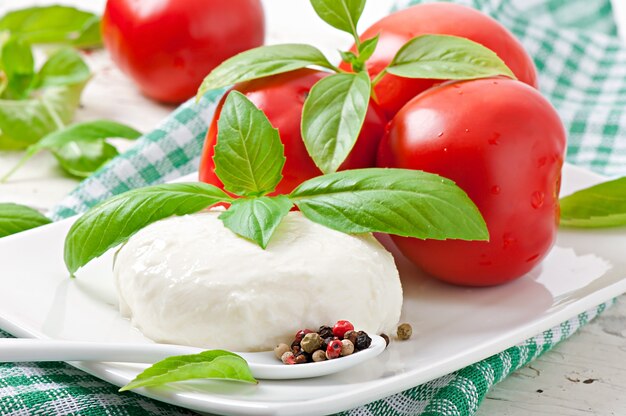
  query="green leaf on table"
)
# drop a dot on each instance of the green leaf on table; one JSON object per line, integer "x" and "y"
{"x": 81, "y": 159}
{"x": 88, "y": 131}
{"x": 51, "y": 24}
{"x": 65, "y": 67}
{"x": 256, "y": 218}
{"x": 24, "y": 122}
{"x": 18, "y": 65}
{"x": 446, "y": 57}
{"x": 403, "y": 202}
{"x": 90, "y": 35}
{"x": 341, "y": 14}
{"x": 332, "y": 118}
{"x": 15, "y": 218}
{"x": 214, "y": 364}
{"x": 80, "y": 148}
{"x": 602, "y": 205}
{"x": 249, "y": 156}
{"x": 262, "y": 62}
{"x": 115, "y": 220}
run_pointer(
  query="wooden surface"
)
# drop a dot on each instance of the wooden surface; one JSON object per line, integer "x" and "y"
{"x": 585, "y": 375}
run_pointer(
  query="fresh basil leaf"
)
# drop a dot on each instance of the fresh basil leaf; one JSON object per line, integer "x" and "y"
{"x": 403, "y": 202}
{"x": 446, "y": 57}
{"x": 90, "y": 35}
{"x": 332, "y": 118}
{"x": 16, "y": 218}
{"x": 256, "y": 218}
{"x": 81, "y": 159}
{"x": 24, "y": 122}
{"x": 602, "y": 205}
{"x": 115, "y": 220}
{"x": 262, "y": 62}
{"x": 341, "y": 14}
{"x": 48, "y": 24}
{"x": 249, "y": 156}
{"x": 348, "y": 57}
{"x": 367, "y": 48}
{"x": 19, "y": 68}
{"x": 214, "y": 364}
{"x": 65, "y": 67}
{"x": 88, "y": 131}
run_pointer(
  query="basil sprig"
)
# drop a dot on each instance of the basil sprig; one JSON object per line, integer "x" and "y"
{"x": 335, "y": 108}
{"x": 213, "y": 364}
{"x": 249, "y": 157}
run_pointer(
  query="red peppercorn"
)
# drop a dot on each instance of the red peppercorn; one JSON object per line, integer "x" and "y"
{"x": 341, "y": 327}
{"x": 300, "y": 334}
{"x": 334, "y": 349}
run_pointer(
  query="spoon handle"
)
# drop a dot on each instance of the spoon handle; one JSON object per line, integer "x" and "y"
{"x": 36, "y": 350}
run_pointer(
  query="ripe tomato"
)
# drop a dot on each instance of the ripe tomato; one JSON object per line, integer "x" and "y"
{"x": 444, "y": 19}
{"x": 168, "y": 46}
{"x": 502, "y": 143}
{"x": 281, "y": 98}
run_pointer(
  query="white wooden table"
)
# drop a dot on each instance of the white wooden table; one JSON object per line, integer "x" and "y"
{"x": 585, "y": 375}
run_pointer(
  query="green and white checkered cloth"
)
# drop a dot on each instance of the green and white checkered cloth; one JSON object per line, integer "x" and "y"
{"x": 582, "y": 69}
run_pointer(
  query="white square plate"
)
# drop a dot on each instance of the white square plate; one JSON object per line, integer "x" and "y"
{"x": 453, "y": 326}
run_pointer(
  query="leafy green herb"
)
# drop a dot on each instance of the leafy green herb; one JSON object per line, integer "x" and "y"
{"x": 262, "y": 62}
{"x": 18, "y": 65}
{"x": 65, "y": 67}
{"x": 256, "y": 218}
{"x": 113, "y": 221}
{"x": 332, "y": 118}
{"x": 446, "y": 57}
{"x": 15, "y": 218}
{"x": 53, "y": 24}
{"x": 249, "y": 155}
{"x": 80, "y": 148}
{"x": 341, "y": 14}
{"x": 403, "y": 202}
{"x": 367, "y": 48}
{"x": 214, "y": 364}
{"x": 24, "y": 122}
{"x": 602, "y": 205}
{"x": 81, "y": 159}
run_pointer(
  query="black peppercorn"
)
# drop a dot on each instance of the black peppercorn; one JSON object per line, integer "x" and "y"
{"x": 363, "y": 341}
{"x": 325, "y": 332}
{"x": 386, "y": 338}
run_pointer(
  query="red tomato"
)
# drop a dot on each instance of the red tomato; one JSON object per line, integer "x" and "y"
{"x": 281, "y": 98}
{"x": 502, "y": 143}
{"x": 168, "y": 46}
{"x": 437, "y": 18}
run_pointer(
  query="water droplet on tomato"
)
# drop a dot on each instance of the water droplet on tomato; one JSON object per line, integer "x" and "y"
{"x": 466, "y": 130}
{"x": 542, "y": 161}
{"x": 440, "y": 134}
{"x": 537, "y": 199}
{"x": 533, "y": 257}
{"x": 445, "y": 149}
{"x": 508, "y": 240}
{"x": 495, "y": 139}
{"x": 495, "y": 190}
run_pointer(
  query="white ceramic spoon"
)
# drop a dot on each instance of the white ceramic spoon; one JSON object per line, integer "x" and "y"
{"x": 263, "y": 365}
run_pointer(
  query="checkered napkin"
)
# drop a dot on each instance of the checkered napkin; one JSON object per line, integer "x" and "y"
{"x": 582, "y": 69}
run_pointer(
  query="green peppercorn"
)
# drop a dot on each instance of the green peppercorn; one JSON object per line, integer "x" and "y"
{"x": 281, "y": 349}
{"x": 404, "y": 331}
{"x": 347, "y": 347}
{"x": 311, "y": 342}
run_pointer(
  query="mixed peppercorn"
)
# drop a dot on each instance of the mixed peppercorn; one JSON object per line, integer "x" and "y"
{"x": 325, "y": 344}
